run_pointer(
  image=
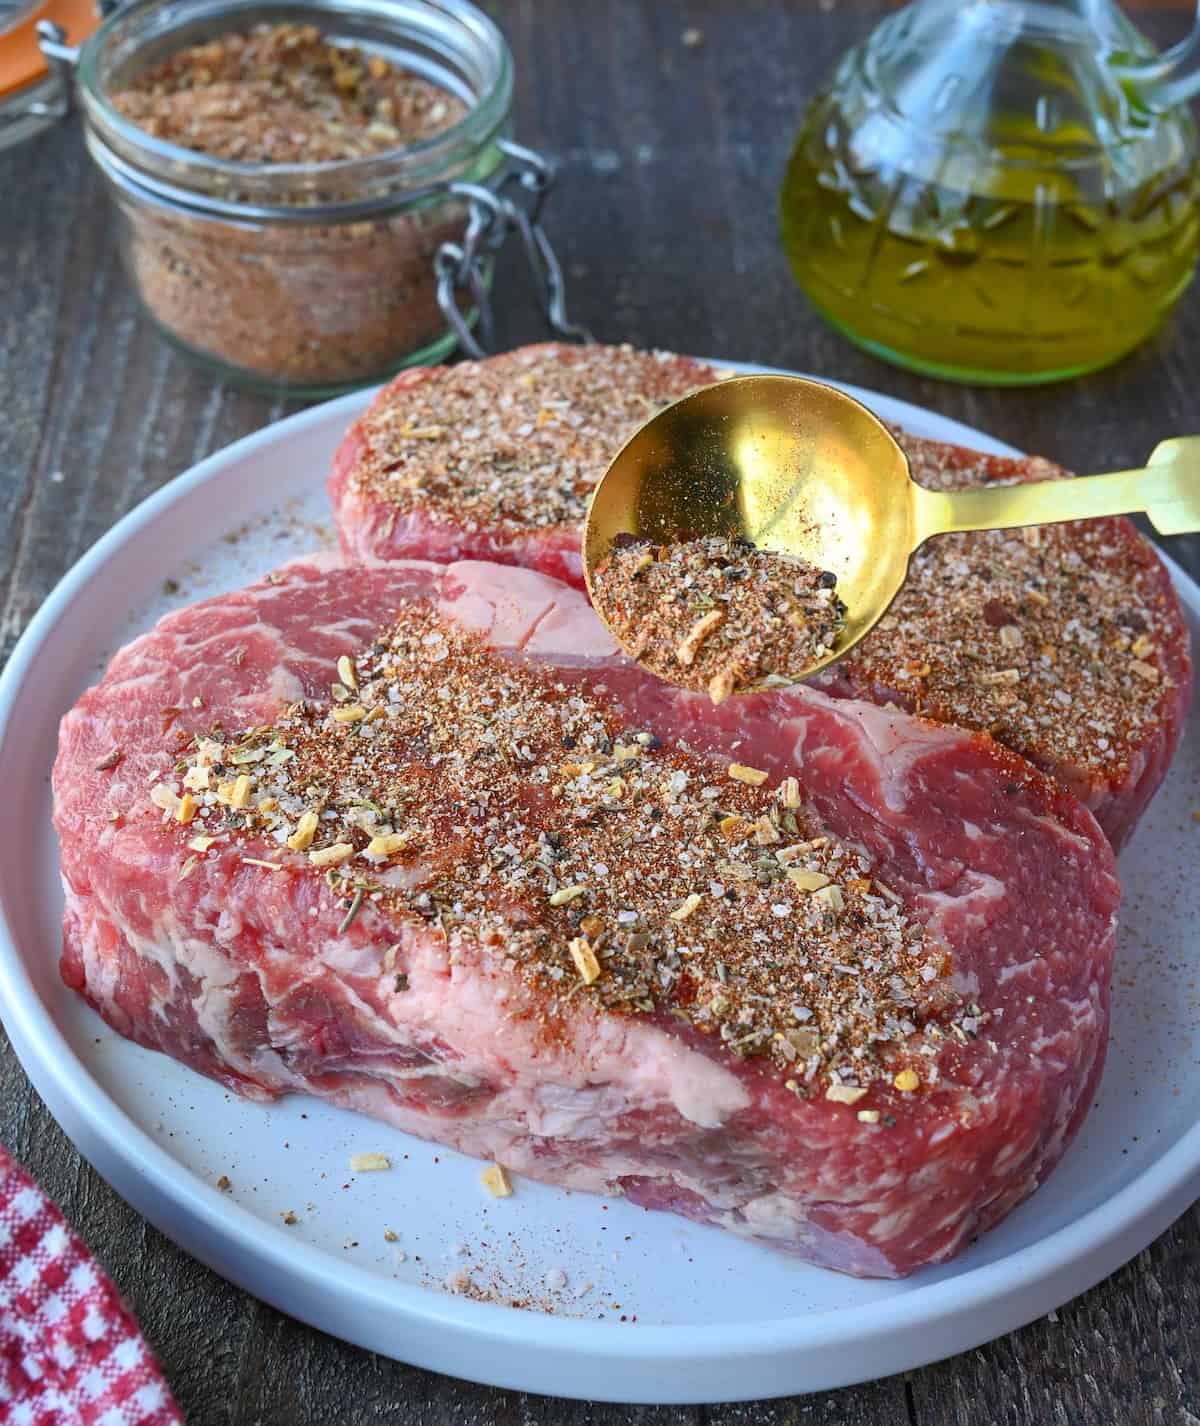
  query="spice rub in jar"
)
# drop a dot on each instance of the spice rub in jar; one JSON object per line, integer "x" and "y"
{"x": 297, "y": 291}
{"x": 284, "y": 94}
{"x": 716, "y": 614}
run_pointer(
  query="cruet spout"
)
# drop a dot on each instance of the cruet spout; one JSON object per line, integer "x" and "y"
{"x": 1167, "y": 79}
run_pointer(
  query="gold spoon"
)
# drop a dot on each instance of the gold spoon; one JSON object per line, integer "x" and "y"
{"x": 799, "y": 467}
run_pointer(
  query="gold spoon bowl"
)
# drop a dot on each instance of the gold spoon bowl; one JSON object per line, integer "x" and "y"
{"x": 799, "y": 467}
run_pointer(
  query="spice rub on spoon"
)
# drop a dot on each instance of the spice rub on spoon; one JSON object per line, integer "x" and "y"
{"x": 716, "y": 614}
{"x": 806, "y": 490}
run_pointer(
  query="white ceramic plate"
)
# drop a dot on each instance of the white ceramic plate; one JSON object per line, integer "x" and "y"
{"x": 652, "y": 1309}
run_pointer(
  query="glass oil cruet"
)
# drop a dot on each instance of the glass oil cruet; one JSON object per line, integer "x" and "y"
{"x": 1000, "y": 191}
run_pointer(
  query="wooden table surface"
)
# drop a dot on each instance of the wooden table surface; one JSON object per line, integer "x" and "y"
{"x": 665, "y": 217}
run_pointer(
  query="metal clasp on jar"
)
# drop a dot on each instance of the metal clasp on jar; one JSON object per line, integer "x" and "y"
{"x": 63, "y": 60}
{"x": 492, "y": 216}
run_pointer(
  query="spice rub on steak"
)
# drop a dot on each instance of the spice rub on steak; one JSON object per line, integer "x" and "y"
{"x": 1066, "y": 643}
{"x": 496, "y": 459}
{"x": 414, "y": 838}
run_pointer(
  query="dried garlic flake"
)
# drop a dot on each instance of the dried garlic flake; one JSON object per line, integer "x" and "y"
{"x": 369, "y": 1163}
{"x": 495, "y": 1179}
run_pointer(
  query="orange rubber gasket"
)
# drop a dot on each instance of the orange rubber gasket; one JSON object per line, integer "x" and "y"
{"x": 21, "y": 61}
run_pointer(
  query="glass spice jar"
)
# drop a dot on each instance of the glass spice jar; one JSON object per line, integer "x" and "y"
{"x": 315, "y": 277}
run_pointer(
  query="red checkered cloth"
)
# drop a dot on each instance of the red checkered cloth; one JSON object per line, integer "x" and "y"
{"x": 71, "y": 1353}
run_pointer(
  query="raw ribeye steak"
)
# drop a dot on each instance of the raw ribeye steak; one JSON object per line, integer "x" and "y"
{"x": 496, "y": 459}
{"x": 1065, "y": 643}
{"x": 415, "y": 839}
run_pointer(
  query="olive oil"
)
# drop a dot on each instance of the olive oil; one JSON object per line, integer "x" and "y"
{"x": 1021, "y": 224}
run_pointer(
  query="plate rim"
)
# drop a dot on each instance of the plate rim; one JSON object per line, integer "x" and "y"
{"x": 1100, "y": 1239}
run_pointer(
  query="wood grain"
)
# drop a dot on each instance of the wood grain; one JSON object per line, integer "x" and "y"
{"x": 665, "y": 217}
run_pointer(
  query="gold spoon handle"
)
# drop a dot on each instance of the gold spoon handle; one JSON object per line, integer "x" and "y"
{"x": 1168, "y": 490}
